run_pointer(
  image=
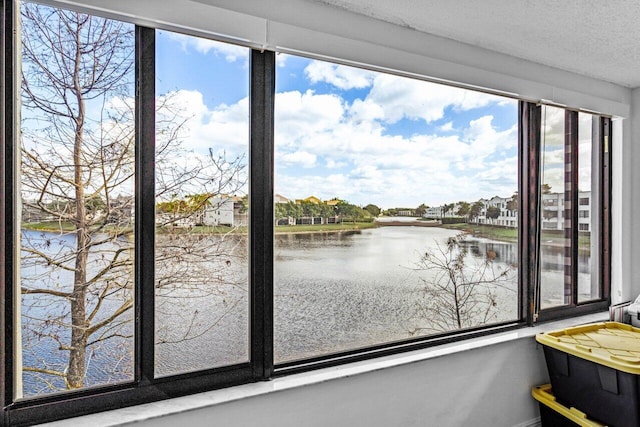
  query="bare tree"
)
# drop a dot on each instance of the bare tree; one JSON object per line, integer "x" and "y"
{"x": 72, "y": 64}
{"x": 457, "y": 292}
{"x": 77, "y": 167}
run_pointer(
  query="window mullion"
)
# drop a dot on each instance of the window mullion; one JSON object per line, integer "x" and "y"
{"x": 261, "y": 222}
{"x": 145, "y": 205}
{"x": 571, "y": 207}
{"x": 604, "y": 151}
{"x": 529, "y": 208}
{"x": 7, "y": 211}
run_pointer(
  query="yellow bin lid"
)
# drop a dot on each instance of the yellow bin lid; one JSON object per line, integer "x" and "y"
{"x": 543, "y": 394}
{"x": 612, "y": 344}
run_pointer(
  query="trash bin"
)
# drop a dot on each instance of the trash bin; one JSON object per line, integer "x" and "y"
{"x": 594, "y": 368}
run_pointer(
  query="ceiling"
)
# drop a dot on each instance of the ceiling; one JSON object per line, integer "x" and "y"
{"x": 599, "y": 39}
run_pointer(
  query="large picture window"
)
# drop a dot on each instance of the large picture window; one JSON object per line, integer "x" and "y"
{"x": 182, "y": 214}
{"x": 395, "y": 211}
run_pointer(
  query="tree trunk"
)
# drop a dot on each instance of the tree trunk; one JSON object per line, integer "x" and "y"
{"x": 79, "y": 326}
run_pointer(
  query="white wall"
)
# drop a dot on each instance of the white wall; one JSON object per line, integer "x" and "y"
{"x": 490, "y": 386}
{"x": 630, "y": 201}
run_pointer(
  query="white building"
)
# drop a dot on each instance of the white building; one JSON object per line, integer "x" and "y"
{"x": 506, "y": 218}
{"x": 584, "y": 211}
{"x": 433, "y": 212}
{"x": 553, "y": 211}
{"x": 219, "y": 210}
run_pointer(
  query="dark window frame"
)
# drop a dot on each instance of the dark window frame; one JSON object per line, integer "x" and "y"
{"x": 145, "y": 387}
{"x": 602, "y": 137}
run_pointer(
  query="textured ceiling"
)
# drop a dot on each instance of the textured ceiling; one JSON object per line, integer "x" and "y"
{"x": 599, "y": 39}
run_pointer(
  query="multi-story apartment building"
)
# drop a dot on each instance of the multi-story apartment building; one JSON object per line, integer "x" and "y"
{"x": 552, "y": 212}
{"x": 553, "y": 208}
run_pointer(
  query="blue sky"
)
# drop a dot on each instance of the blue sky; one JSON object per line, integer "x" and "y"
{"x": 362, "y": 136}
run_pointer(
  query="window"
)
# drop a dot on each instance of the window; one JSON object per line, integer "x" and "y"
{"x": 77, "y": 193}
{"x": 571, "y": 159}
{"x": 590, "y": 188}
{"x": 202, "y": 204}
{"x": 188, "y": 214}
{"x": 364, "y": 153}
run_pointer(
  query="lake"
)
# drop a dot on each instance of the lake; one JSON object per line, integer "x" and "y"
{"x": 332, "y": 292}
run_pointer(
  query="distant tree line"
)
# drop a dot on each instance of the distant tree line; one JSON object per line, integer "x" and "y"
{"x": 341, "y": 211}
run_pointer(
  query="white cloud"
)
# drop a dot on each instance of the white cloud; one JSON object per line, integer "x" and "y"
{"x": 281, "y": 59}
{"x": 553, "y": 158}
{"x": 225, "y": 128}
{"x": 414, "y": 99}
{"x": 388, "y": 169}
{"x": 365, "y": 111}
{"x": 341, "y": 76}
{"x": 484, "y": 140}
{"x": 301, "y": 158}
{"x": 555, "y": 179}
{"x": 328, "y": 148}
{"x": 447, "y": 127}
{"x": 300, "y": 115}
{"x": 552, "y": 126}
{"x": 230, "y": 52}
{"x": 334, "y": 164}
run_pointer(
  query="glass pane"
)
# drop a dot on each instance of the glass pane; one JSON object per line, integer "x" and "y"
{"x": 202, "y": 145}
{"x": 395, "y": 209}
{"x": 588, "y": 208}
{"x": 553, "y": 244}
{"x": 76, "y": 186}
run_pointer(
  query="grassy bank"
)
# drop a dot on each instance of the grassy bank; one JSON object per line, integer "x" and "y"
{"x": 549, "y": 238}
{"x": 488, "y": 231}
{"x": 52, "y": 226}
{"x": 281, "y": 229}
{"x": 56, "y": 227}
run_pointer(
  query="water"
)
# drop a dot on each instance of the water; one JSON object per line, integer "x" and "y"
{"x": 336, "y": 292}
{"x": 332, "y": 292}
{"x": 46, "y": 318}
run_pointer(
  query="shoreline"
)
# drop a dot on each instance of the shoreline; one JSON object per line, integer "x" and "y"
{"x": 353, "y": 229}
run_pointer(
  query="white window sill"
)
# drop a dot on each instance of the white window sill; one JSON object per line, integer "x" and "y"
{"x": 202, "y": 400}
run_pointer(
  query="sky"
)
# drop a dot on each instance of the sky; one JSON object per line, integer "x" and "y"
{"x": 355, "y": 134}
{"x": 553, "y": 132}
{"x": 340, "y": 131}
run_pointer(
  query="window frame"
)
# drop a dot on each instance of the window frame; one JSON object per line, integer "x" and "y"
{"x": 573, "y": 307}
{"x": 145, "y": 387}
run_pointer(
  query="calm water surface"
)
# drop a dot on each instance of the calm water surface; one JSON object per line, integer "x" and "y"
{"x": 340, "y": 291}
{"x": 333, "y": 292}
